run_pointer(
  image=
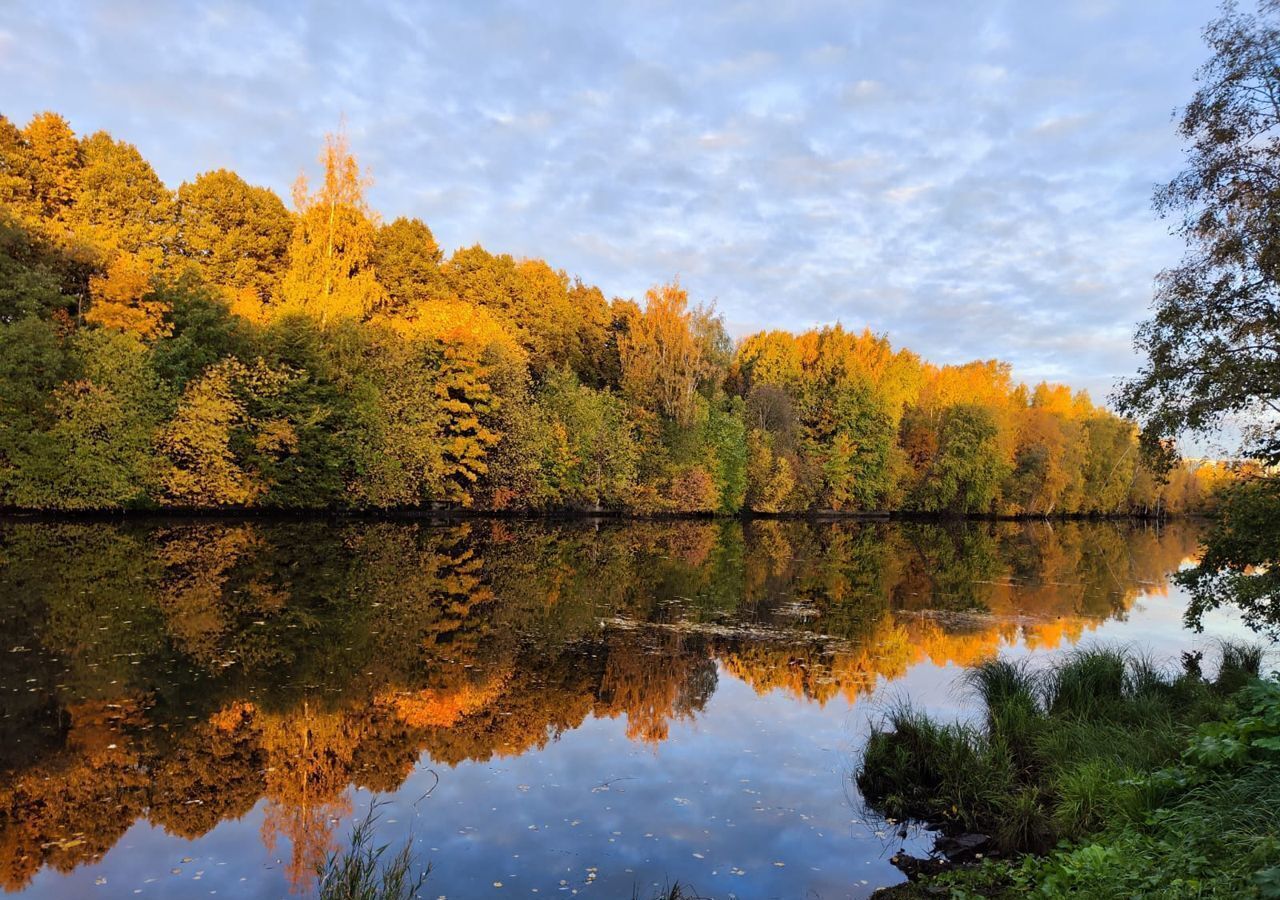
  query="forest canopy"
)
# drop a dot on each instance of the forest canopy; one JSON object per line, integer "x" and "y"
{"x": 212, "y": 347}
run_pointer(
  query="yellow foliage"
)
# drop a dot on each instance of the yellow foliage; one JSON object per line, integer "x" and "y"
{"x": 330, "y": 272}
{"x": 663, "y": 356}
{"x": 457, "y": 322}
{"x": 119, "y": 299}
{"x": 247, "y": 303}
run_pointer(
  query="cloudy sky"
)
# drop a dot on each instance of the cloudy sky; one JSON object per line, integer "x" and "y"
{"x": 973, "y": 179}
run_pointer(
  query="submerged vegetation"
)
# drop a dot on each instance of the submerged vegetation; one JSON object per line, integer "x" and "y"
{"x": 1116, "y": 777}
{"x": 211, "y": 348}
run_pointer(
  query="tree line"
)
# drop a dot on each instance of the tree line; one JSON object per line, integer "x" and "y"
{"x": 211, "y": 347}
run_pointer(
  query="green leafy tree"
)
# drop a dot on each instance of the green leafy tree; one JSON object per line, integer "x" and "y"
{"x": 1110, "y": 463}
{"x": 306, "y": 458}
{"x": 215, "y": 414}
{"x": 97, "y": 452}
{"x": 966, "y": 473}
{"x": 34, "y": 360}
{"x": 1245, "y": 531}
{"x": 401, "y": 460}
{"x": 726, "y": 435}
{"x": 200, "y": 331}
{"x": 572, "y": 447}
{"x": 1212, "y": 345}
{"x": 407, "y": 260}
{"x": 28, "y": 284}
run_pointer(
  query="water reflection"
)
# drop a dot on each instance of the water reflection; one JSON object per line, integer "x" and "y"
{"x": 183, "y": 673}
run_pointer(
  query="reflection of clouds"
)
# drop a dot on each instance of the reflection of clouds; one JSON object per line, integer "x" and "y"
{"x": 973, "y": 179}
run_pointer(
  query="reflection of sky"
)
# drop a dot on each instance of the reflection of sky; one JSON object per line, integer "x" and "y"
{"x": 753, "y": 782}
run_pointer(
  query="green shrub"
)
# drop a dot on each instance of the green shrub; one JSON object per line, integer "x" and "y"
{"x": 1092, "y": 794}
{"x": 1151, "y": 784}
{"x": 907, "y": 770}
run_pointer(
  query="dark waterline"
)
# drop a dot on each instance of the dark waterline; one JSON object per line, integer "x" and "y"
{"x": 192, "y": 705}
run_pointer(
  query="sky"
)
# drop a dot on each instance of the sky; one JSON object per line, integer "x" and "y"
{"x": 972, "y": 179}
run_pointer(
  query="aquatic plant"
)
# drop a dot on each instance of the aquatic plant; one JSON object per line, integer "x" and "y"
{"x": 364, "y": 871}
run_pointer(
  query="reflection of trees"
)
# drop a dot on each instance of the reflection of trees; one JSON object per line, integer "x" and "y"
{"x": 309, "y": 764}
{"x": 187, "y": 671}
{"x": 653, "y": 686}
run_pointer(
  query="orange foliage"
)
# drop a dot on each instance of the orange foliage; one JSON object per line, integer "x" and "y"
{"x": 442, "y": 709}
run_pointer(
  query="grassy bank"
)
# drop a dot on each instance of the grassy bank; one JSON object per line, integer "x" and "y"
{"x": 1103, "y": 776}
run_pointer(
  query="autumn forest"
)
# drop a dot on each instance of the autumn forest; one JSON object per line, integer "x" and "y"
{"x": 211, "y": 347}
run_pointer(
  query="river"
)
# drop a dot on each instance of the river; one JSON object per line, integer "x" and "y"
{"x": 598, "y": 707}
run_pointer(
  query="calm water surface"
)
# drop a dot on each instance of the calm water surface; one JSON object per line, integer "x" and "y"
{"x": 192, "y": 708}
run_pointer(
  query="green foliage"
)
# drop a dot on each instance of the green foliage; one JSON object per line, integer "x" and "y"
{"x": 97, "y": 451}
{"x": 1213, "y": 344}
{"x": 202, "y": 330}
{"x": 34, "y": 361}
{"x": 236, "y": 235}
{"x": 966, "y": 473}
{"x": 308, "y": 466}
{"x": 1239, "y": 562}
{"x": 1109, "y": 464}
{"x": 572, "y": 448}
{"x": 727, "y": 448}
{"x": 217, "y": 412}
{"x": 28, "y": 285}
{"x": 407, "y": 258}
{"x": 1039, "y": 768}
{"x": 1204, "y": 826}
{"x": 400, "y": 459}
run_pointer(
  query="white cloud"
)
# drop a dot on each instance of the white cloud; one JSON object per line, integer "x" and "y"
{"x": 973, "y": 179}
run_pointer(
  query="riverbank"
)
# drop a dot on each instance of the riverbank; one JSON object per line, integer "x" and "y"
{"x": 453, "y": 513}
{"x": 1102, "y": 776}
